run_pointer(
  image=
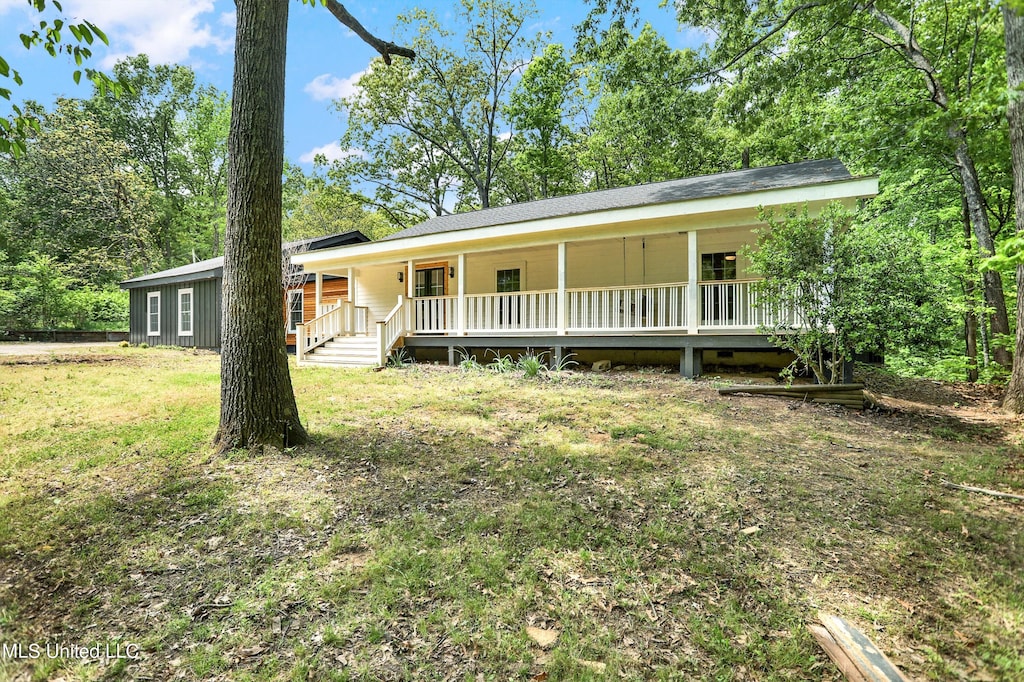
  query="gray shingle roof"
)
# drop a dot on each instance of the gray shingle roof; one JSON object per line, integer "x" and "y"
{"x": 700, "y": 187}
{"x": 203, "y": 269}
{"x": 212, "y": 268}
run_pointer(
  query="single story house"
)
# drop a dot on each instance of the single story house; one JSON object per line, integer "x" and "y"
{"x": 182, "y": 306}
{"x": 656, "y": 267}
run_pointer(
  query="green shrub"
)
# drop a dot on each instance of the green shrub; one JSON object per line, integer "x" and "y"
{"x": 531, "y": 364}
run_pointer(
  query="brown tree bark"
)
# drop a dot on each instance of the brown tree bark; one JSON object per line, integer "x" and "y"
{"x": 992, "y": 281}
{"x": 257, "y": 402}
{"x": 970, "y": 317}
{"x": 1014, "y": 30}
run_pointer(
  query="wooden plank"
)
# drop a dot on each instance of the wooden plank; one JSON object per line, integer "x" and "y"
{"x": 787, "y": 390}
{"x": 847, "y": 402}
{"x": 870, "y": 662}
{"x": 836, "y": 653}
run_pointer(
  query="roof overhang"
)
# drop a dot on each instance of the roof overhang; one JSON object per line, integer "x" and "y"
{"x": 153, "y": 281}
{"x": 694, "y": 214}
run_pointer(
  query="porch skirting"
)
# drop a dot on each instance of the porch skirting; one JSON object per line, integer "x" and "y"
{"x": 688, "y": 345}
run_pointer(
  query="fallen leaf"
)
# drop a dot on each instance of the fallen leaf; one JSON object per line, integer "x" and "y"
{"x": 214, "y": 542}
{"x": 543, "y": 638}
{"x": 596, "y": 666}
{"x": 750, "y": 530}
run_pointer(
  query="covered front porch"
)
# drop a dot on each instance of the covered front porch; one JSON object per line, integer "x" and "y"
{"x": 679, "y": 283}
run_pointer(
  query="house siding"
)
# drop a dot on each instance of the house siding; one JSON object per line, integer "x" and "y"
{"x": 332, "y": 290}
{"x": 378, "y": 288}
{"x": 206, "y": 308}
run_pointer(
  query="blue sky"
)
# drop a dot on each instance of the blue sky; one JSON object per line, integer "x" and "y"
{"x": 324, "y": 58}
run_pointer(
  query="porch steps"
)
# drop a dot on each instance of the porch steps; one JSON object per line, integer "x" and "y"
{"x": 345, "y": 351}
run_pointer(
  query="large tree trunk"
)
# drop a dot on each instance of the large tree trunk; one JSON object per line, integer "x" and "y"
{"x": 257, "y": 402}
{"x": 1014, "y": 25}
{"x": 992, "y": 282}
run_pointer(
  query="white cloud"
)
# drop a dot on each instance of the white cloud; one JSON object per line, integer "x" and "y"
{"x": 326, "y": 86}
{"x": 166, "y": 31}
{"x": 6, "y": 5}
{"x": 332, "y": 151}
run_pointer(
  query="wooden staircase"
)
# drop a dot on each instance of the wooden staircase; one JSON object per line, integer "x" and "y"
{"x": 345, "y": 351}
{"x": 343, "y": 336}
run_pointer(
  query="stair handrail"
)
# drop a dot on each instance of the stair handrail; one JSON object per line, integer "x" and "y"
{"x": 345, "y": 319}
{"x": 390, "y": 330}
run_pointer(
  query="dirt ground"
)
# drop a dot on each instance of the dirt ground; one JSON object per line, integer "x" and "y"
{"x": 28, "y": 349}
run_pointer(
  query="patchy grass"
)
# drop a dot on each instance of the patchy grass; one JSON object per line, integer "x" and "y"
{"x": 441, "y": 512}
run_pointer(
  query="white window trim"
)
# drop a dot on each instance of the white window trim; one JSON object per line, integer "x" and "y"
{"x": 191, "y": 312}
{"x": 302, "y": 301}
{"x": 149, "y": 313}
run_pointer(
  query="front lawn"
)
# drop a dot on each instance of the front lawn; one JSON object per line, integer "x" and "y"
{"x": 445, "y": 521}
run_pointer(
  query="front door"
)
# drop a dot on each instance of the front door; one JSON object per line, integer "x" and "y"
{"x": 430, "y": 314}
{"x": 509, "y": 281}
{"x": 429, "y": 282}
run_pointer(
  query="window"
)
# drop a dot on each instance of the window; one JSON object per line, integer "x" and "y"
{"x": 184, "y": 312}
{"x": 153, "y": 313}
{"x": 718, "y": 266}
{"x": 429, "y": 282}
{"x": 508, "y": 280}
{"x": 294, "y": 310}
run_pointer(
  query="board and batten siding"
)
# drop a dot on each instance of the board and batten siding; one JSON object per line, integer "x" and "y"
{"x": 206, "y": 308}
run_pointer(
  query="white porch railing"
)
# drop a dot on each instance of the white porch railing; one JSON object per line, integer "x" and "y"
{"x": 726, "y": 306}
{"x": 435, "y": 314}
{"x": 525, "y": 311}
{"x": 658, "y": 307}
{"x": 735, "y": 304}
{"x": 392, "y": 329}
{"x": 345, "y": 319}
{"x": 327, "y": 307}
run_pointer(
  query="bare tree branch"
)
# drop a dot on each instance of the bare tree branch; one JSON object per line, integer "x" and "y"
{"x": 385, "y": 48}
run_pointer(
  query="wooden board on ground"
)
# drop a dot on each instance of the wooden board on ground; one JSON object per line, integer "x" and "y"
{"x": 793, "y": 388}
{"x": 852, "y": 652}
{"x": 850, "y": 395}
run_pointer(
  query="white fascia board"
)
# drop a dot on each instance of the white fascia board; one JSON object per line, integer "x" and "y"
{"x": 547, "y": 229}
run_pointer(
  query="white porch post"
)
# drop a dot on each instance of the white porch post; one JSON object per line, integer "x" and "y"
{"x": 351, "y": 285}
{"x": 410, "y": 287}
{"x": 461, "y": 316}
{"x": 692, "y": 287}
{"x": 561, "y": 307}
{"x": 319, "y": 289}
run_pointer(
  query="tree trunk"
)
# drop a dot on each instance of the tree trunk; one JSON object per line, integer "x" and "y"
{"x": 257, "y": 401}
{"x": 1014, "y": 25}
{"x": 971, "y": 316}
{"x": 992, "y": 282}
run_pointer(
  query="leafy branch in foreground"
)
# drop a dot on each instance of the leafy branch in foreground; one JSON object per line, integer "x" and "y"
{"x": 15, "y": 129}
{"x": 835, "y": 286}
